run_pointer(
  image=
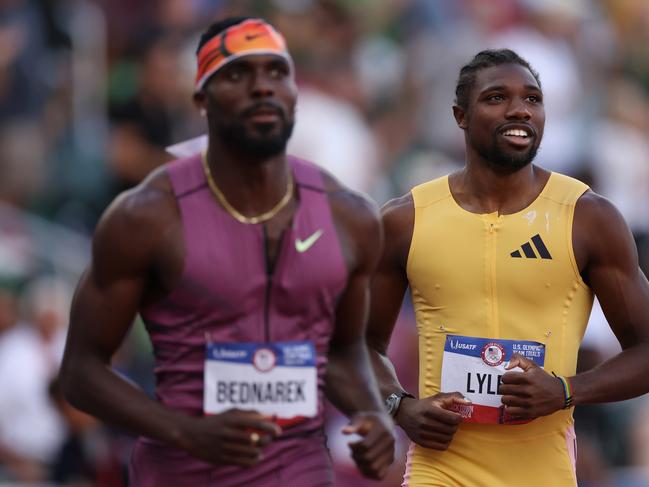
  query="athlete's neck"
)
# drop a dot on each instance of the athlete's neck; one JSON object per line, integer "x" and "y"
{"x": 479, "y": 189}
{"x": 252, "y": 185}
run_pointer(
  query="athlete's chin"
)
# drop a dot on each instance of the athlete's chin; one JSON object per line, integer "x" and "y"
{"x": 266, "y": 146}
{"x": 262, "y": 143}
{"x": 276, "y": 132}
{"x": 509, "y": 165}
{"x": 265, "y": 132}
{"x": 512, "y": 161}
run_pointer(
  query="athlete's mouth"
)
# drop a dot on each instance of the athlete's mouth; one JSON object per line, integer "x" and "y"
{"x": 519, "y": 135}
{"x": 516, "y": 133}
{"x": 264, "y": 114}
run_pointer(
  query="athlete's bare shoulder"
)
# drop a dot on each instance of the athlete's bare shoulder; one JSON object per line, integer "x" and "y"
{"x": 358, "y": 223}
{"x": 136, "y": 220}
{"x": 592, "y": 205}
{"x": 144, "y": 203}
{"x": 594, "y": 212}
{"x": 399, "y": 212}
{"x": 398, "y": 217}
{"x": 599, "y": 230}
{"x": 352, "y": 207}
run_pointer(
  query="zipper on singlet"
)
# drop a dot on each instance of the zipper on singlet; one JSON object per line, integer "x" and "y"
{"x": 492, "y": 281}
{"x": 270, "y": 271}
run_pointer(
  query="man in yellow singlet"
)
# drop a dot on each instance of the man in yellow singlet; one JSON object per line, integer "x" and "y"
{"x": 502, "y": 259}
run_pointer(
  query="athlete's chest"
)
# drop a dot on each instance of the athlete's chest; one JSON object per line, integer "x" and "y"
{"x": 236, "y": 263}
{"x": 457, "y": 256}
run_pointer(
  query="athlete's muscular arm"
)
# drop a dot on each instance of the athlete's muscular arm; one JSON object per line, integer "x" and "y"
{"x": 605, "y": 245}
{"x": 426, "y": 421}
{"x": 125, "y": 246}
{"x": 388, "y": 288}
{"x": 350, "y": 383}
{"x": 608, "y": 262}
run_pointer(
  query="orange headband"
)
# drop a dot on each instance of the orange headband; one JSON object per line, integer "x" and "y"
{"x": 253, "y": 36}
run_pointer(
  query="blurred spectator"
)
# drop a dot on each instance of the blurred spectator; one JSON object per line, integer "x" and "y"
{"x": 30, "y": 428}
{"x": 25, "y": 62}
{"x": 631, "y": 21}
{"x": 639, "y": 440}
{"x": 26, "y": 71}
{"x": 330, "y": 128}
{"x": 332, "y": 133}
{"x": 153, "y": 116}
{"x": 22, "y": 154}
{"x": 620, "y": 156}
{"x": 16, "y": 250}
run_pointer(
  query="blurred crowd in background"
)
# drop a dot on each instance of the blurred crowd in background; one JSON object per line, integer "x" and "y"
{"x": 91, "y": 93}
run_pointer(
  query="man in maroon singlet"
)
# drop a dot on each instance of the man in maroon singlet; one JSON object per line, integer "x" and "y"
{"x": 250, "y": 269}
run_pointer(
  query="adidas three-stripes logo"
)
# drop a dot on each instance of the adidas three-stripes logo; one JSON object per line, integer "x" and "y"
{"x": 528, "y": 251}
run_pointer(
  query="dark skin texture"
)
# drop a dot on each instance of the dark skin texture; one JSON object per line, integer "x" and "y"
{"x": 507, "y": 96}
{"x": 138, "y": 257}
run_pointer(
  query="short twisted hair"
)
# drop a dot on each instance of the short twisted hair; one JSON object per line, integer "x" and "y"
{"x": 486, "y": 59}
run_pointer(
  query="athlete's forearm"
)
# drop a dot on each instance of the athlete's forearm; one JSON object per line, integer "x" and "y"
{"x": 622, "y": 377}
{"x": 386, "y": 375}
{"x": 94, "y": 387}
{"x": 350, "y": 384}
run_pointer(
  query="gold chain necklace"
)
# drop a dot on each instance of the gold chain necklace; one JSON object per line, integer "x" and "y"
{"x": 234, "y": 212}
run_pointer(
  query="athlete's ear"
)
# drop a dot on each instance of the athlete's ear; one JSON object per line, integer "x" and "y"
{"x": 460, "y": 116}
{"x": 199, "y": 102}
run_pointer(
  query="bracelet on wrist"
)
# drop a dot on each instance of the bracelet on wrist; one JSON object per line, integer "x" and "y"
{"x": 568, "y": 399}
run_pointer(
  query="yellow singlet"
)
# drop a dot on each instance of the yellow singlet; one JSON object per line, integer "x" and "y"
{"x": 505, "y": 277}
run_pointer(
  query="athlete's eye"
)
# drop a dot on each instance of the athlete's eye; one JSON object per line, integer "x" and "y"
{"x": 278, "y": 71}
{"x": 233, "y": 75}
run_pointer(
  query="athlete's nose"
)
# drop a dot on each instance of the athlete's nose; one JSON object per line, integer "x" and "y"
{"x": 262, "y": 85}
{"x": 518, "y": 110}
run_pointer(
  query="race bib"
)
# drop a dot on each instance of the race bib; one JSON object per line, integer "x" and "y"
{"x": 275, "y": 379}
{"x": 474, "y": 367}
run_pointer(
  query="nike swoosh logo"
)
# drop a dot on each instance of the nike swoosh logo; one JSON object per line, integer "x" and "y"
{"x": 250, "y": 37}
{"x": 304, "y": 245}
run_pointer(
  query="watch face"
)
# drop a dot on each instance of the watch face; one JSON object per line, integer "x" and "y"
{"x": 392, "y": 403}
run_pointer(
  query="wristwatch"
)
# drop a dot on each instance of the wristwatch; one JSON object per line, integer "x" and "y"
{"x": 393, "y": 402}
